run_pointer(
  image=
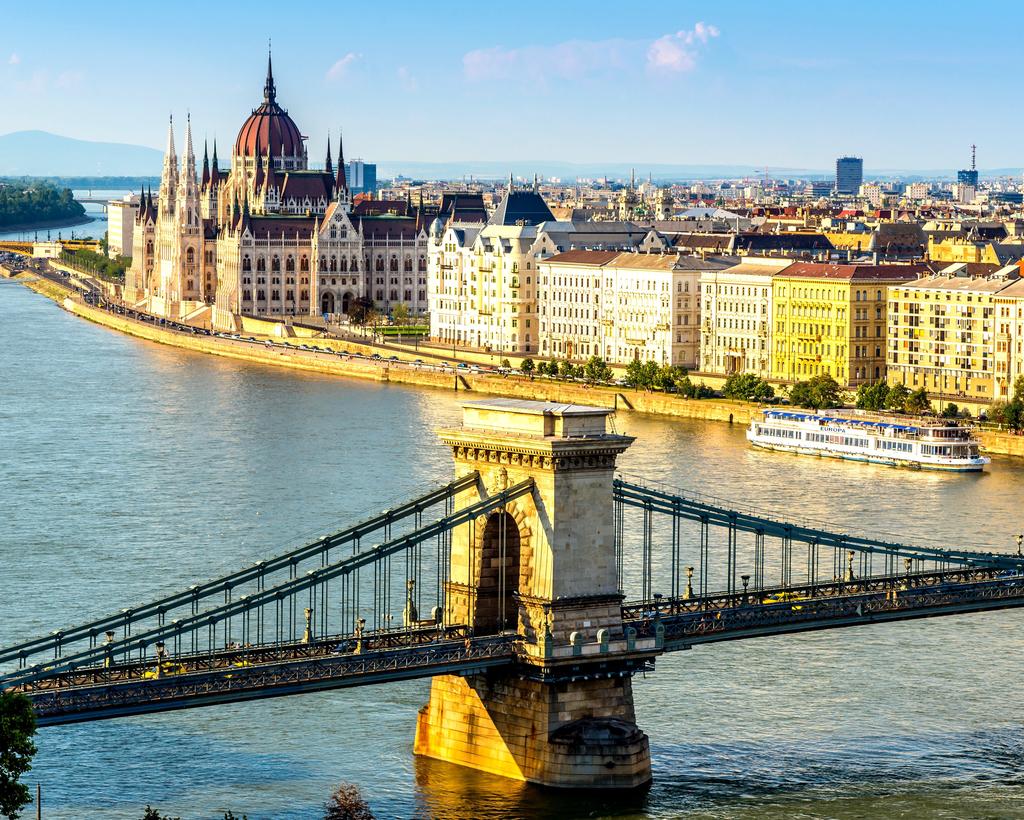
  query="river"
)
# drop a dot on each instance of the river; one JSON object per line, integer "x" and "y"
{"x": 96, "y": 227}
{"x": 128, "y": 469}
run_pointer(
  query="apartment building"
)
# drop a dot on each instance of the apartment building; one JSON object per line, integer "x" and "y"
{"x": 736, "y": 313}
{"x": 831, "y": 319}
{"x": 956, "y": 334}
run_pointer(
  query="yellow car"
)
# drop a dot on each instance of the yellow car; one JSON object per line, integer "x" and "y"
{"x": 784, "y": 598}
{"x": 238, "y": 665}
{"x": 166, "y": 668}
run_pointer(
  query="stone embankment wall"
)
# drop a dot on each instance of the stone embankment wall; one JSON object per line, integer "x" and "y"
{"x": 382, "y": 370}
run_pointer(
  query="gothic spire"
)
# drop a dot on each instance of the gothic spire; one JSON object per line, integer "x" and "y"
{"x": 169, "y": 176}
{"x": 206, "y": 165}
{"x": 269, "y": 91}
{"x": 188, "y": 161}
{"x": 341, "y": 183}
{"x": 328, "y": 167}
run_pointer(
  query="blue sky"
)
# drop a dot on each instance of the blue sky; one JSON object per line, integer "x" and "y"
{"x": 905, "y": 84}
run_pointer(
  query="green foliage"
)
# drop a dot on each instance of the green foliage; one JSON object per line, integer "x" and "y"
{"x": 17, "y": 726}
{"x": 154, "y": 814}
{"x": 25, "y": 203}
{"x": 346, "y": 803}
{"x": 747, "y": 387}
{"x": 818, "y": 393}
{"x": 950, "y": 411}
{"x": 361, "y": 312}
{"x": 528, "y": 366}
{"x": 97, "y": 264}
{"x": 641, "y": 374}
{"x": 686, "y": 388}
{"x": 918, "y": 403}
{"x": 597, "y": 371}
{"x": 400, "y": 314}
{"x": 897, "y": 397}
{"x": 567, "y": 370}
{"x": 506, "y": 364}
{"x": 872, "y": 396}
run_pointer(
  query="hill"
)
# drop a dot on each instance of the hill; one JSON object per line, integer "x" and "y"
{"x": 40, "y": 153}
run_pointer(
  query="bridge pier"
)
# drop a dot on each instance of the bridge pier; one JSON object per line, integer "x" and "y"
{"x": 545, "y": 567}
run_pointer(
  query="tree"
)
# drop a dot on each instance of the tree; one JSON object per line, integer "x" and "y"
{"x": 818, "y": 393}
{"x": 528, "y": 366}
{"x": 897, "y": 397}
{"x": 641, "y": 374}
{"x": 17, "y": 726}
{"x": 918, "y": 403}
{"x": 346, "y": 803}
{"x": 747, "y": 387}
{"x": 400, "y": 314}
{"x": 596, "y": 370}
{"x": 567, "y": 370}
{"x": 950, "y": 411}
{"x": 872, "y": 396}
{"x": 1018, "y": 388}
{"x": 360, "y": 311}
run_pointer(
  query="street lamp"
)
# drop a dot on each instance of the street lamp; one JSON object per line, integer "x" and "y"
{"x": 1020, "y": 543}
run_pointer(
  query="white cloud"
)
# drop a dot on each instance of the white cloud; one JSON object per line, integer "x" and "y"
{"x": 14, "y": 59}
{"x": 575, "y": 59}
{"x": 409, "y": 82}
{"x": 68, "y": 79}
{"x": 340, "y": 70}
{"x": 676, "y": 53}
{"x": 569, "y": 60}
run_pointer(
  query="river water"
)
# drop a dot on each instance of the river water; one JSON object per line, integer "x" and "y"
{"x": 96, "y": 227}
{"x": 128, "y": 469}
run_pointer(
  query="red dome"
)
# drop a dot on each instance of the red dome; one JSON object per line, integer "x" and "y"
{"x": 269, "y": 126}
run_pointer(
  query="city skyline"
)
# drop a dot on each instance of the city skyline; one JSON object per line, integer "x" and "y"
{"x": 765, "y": 86}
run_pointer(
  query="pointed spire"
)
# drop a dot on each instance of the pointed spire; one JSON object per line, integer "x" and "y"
{"x": 510, "y": 182}
{"x": 188, "y": 161}
{"x": 214, "y": 155}
{"x": 269, "y": 180}
{"x": 269, "y": 91}
{"x": 170, "y": 136}
{"x": 328, "y": 167}
{"x": 206, "y": 165}
{"x": 341, "y": 183}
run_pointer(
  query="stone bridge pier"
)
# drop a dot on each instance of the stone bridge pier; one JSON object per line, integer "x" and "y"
{"x": 545, "y": 568}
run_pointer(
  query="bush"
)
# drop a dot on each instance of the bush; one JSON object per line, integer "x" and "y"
{"x": 346, "y": 803}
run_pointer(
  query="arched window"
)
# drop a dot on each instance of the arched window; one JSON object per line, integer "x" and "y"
{"x": 323, "y": 263}
{"x": 394, "y": 263}
{"x": 246, "y": 295}
{"x": 408, "y": 264}
{"x": 246, "y": 263}
{"x": 190, "y": 257}
{"x": 344, "y": 264}
{"x": 275, "y": 263}
{"x": 261, "y": 296}
{"x": 261, "y": 264}
{"x": 304, "y": 264}
{"x": 355, "y": 263}
{"x": 289, "y": 264}
{"x": 380, "y": 263}
{"x": 423, "y": 263}
{"x": 334, "y": 264}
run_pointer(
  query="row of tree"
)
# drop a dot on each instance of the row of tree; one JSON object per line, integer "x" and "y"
{"x": 97, "y": 264}
{"x": 26, "y": 204}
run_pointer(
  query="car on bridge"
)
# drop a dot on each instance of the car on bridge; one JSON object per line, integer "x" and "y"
{"x": 785, "y": 598}
{"x": 165, "y": 668}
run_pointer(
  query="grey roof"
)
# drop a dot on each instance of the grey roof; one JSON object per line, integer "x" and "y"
{"x": 521, "y": 207}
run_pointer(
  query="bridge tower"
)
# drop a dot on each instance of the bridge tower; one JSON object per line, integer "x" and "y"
{"x": 545, "y": 567}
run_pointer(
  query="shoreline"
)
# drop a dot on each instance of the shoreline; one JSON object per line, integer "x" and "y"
{"x": 406, "y": 372}
{"x": 45, "y": 225}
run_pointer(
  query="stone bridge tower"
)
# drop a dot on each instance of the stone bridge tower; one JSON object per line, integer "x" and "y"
{"x": 545, "y": 568}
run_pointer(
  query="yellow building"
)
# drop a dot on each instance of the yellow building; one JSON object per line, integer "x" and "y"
{"x": 831, "y": 319}
{"x": 972, "y": 249}
{"x": 957, "y": 335}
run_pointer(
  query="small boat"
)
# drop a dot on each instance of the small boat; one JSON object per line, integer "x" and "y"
{"x": 927, "y": 445}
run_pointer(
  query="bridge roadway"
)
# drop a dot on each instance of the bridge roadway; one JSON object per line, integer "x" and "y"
{"x": 248, "y": 673}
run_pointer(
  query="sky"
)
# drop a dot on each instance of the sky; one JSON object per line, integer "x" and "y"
{"x": 906, "y": 85}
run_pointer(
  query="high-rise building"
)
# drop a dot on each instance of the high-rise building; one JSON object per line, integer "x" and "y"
{"x": 849, "y": 174}
{"x": 968, "y": 177}
{"x": 362, "y": 177}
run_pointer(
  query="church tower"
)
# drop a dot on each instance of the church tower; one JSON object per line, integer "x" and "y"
{"x": 188, "y": 228}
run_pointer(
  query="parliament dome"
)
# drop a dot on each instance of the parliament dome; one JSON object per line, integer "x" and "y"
{"x": 269, "y": 126}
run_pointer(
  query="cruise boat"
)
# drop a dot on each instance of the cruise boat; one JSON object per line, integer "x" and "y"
{"x": 928, "y": 445}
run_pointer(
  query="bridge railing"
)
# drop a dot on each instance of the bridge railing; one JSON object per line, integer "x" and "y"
{"x": 341, "y": 598}
{"x": 719, "y": 547}
{"x": 260, "y": 575}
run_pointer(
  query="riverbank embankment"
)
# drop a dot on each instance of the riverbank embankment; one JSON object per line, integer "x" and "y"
{"x": 412, "y": 373}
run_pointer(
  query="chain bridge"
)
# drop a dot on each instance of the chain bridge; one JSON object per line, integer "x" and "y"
{"x": 530, "y": 589}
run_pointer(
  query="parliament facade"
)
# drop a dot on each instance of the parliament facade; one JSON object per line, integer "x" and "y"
{"x": 271, "y": 236}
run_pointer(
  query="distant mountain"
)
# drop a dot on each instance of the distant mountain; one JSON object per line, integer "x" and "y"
{"x": 40, "y": 153}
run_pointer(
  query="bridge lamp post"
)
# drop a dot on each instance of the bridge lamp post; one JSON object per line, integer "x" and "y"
{"x": 1020, "y": 543}
{"x": 746, "y": 581}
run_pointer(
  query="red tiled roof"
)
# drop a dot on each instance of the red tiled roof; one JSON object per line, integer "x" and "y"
{"x": 818, "y": 270}
{"x": 584, "y": 257}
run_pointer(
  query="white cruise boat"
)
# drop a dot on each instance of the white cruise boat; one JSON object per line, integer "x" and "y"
{"x": 928, "y": 445}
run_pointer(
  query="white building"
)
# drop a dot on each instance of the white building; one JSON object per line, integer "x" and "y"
{"x": 916, "y": 191}
{"x": 121, "y": 215}
{"x": 621, "y": 306}
{"x": 736, "y": 310}
{"x": 482, "y": 290}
